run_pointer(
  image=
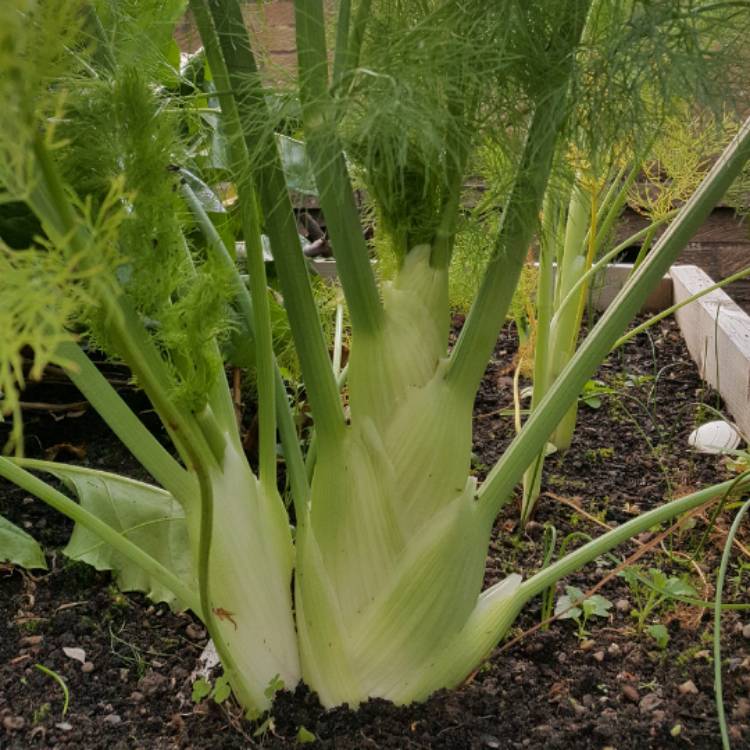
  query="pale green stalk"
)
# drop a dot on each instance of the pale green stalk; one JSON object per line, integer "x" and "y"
{"x": 125, "y": 424}
{"x": 571, "y": 264}
{"x": 287, "y": 430}
{"x": 600, "y": 264}
{"x": 342, "y": 60}
{"x": 725, "y": 557}
{"x": 331, "y": 175}
{"x": 544, "y": 305}
{"x": 228, "y": 49}
{"x": 479, "y": 333}
{"x": 487, "y": 314}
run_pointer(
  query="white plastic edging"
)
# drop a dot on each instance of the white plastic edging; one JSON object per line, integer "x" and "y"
{"x": 717, "y": 333}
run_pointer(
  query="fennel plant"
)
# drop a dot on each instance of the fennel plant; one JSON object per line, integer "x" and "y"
{"x": 371, "y": 585}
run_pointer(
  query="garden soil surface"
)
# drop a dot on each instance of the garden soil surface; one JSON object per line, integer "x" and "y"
{"x": 613, "y": 687}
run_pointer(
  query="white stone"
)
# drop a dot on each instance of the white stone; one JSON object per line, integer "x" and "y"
{"x": 718, "y": 436}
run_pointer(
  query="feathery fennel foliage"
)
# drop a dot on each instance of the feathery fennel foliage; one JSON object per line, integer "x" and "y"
{"x": 391, "y": 530}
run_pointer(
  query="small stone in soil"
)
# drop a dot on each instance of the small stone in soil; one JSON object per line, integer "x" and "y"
{"x": 578, "y": 708}
{"x": 649, "y": 702}
{"x": 742, "y": 709}
{"x": 87, "y": 666}
{"x": 614, "y": 649}
{"x": 746, "y": 631}
{"x": 12, "y": 723}
{"x": 151, "y": 682}
{"x": 112, "y": 719}
{"x": 489, "y": 740}
{"x": 688, "y": 688}
{"x": 195, "y": 632}
{"x": 631, "y": 693}
{"x": 622, "y": 605}
{"x": 599, "y": 656}
{"x": 735, "y": 733}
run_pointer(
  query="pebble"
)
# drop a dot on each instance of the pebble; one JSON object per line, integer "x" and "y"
{"x": 742, "y": 709}
{"x": 746, "y": 631}
{"x": 64, "y": 726}
{"x": 562, "y": 658}
{"x": 631, "y": 693}
{"x": 622, "y": 605}
{"x": 614, "y": 649}
{"x": 599, "y": 656}
{"x": 688, "y": 688}
{"x": 649, "y": 702}
{"x": 578, "y": 708}
{"x": 587, "y": 645}
{"x": 151, "y": 682}
{"x": 12, "y": 723}
{"x": 112, "y": 719}
{"x": 31, "y": 640}
{"x": 195, "y": 632}
{"x": 87, "y": 666}
{"x": 489, "y": 740}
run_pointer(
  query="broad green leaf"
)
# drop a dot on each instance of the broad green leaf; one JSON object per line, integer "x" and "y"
{"x": 18, "y": 548}
{"x": 659, "y": 633}
{"x": 203, "y": 192}
{"x": 222, "y": 689}
{"x": 658, "y": 578}
{"x": 563, "y": 609}
{"x": 149, "y": 516}
{"x": 201, "y": 689}
{"x": 305, "y": 736}
{"x": 296, "y": 165}
{"x": 677, "y": 587}
{"x": 596, "y": 606}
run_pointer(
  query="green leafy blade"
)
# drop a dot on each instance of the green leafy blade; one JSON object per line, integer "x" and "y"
{"x": 18, "y": 548}
{"x": 148, "y": 516}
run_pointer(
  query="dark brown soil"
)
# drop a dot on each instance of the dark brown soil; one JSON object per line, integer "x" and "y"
{"x": 615, "y": 688}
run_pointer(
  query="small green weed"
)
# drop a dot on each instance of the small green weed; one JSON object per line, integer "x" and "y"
{"x": 574, "y": 605}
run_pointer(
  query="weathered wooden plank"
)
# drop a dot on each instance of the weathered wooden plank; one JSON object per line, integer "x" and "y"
{"x": 611, "y": 280}
{"x": 717, "y": 334}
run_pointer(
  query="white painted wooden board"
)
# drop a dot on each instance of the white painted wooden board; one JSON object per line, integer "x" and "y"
{"x": 717, "y": 333}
